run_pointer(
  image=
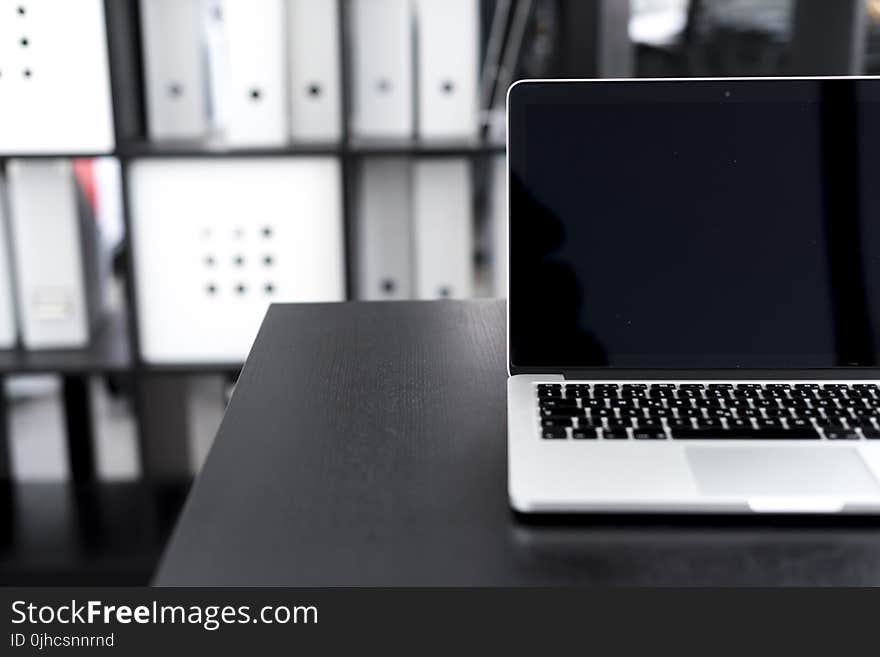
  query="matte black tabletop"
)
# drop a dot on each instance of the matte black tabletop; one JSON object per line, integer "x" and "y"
{"x": 365, "y": 444}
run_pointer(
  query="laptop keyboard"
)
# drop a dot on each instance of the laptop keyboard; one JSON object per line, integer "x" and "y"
{"x": 708, "y": 411}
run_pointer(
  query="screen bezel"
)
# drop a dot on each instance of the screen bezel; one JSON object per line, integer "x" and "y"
{"x": 664, "y": 90}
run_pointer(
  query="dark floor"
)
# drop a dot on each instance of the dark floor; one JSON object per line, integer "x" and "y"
{"x": 109, "y": 534}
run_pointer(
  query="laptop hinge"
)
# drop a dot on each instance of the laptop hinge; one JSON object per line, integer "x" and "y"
{"x": 855, "y": 374}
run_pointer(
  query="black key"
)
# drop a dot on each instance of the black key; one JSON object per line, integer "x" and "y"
{"x": 554, "y": 433}
{"x": 776, "y": 394}
{"x": 608, "y": 434}
{"x": 594, "y": 403}
{"x": 848, "y": 434}
{"x": 777, "y": 386}
{"x": 584, "y": 434}
{"x": 692, "y": 386}
{"x": 739, "y": 424}
{"x": 613, "y": 425}
{"x": 605, "y": 386}
{"x": 557, "y": 422}
{"x": 720, "y": 386}
{"x": 642, "y": 434}
{"x": 834, "y": 428}
{"x": 800, "y": 424}
{"x": 709, "y": 423}
{"x": 549, "y": 413}
{"x": 623, "y": 403}
{"x": 835, "y": 386}
{"x": 662, "y": 386}
{"x": 635, "y": 386}
{"x": 690, "y": 412}
{"x": 806, "y": 386}
{"x": 679, "y": 424}
{"x": 649, "y": 426}
{"x": 871, "y": 433}
{"x": 769, "y": 423}
{"x": 558, "y": 403}
{"x": 577, "y": 394}
{"x": 659, "y": 412}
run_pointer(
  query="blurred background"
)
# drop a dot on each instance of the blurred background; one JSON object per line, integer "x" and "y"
{"x": 169, "y": 168}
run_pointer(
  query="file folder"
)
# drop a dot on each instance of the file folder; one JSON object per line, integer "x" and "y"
{"x": 54, "y": 78}
{"x": 384, "y": 234}
{"x": 257, "y": 100}
{"x": 448, "y": 68}
{"x": 216, "y": 65}
{"x": 382, "y": 61}
{"x": 174, "y": 69}
{"x": 55, "y": 243}
{"x": 314, "y": 71}
{"x": 7, "y": 302}
{"x": 498, "y": 226}
{"x": 443, "y": 228}
{"x": 215, "y": 241}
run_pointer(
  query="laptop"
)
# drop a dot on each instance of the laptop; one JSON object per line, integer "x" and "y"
{"x": 694, "y": 296}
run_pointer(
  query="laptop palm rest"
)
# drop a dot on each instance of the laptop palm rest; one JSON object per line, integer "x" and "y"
{"x": 780, "y": 479}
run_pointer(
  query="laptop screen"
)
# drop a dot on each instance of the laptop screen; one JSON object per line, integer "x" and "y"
{"x": 694, "y": 224}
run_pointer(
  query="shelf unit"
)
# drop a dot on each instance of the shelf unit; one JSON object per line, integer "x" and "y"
{"x": 159, "y": 392}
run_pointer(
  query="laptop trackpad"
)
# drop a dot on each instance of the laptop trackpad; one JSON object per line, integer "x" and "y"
{"x": 781, "y": 472}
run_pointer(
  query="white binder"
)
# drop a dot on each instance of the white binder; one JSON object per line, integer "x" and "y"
{"x": 314, "y": 71}
{"x": 52, "y": 272}
{"x": 7, "y": 302}
{"x": 448, "y": 68}
{"x": 443, "y": 228}
{"x": 498, "y": 225}
{"x": 174, "y": 69}
{"x": 384, "y": 234}
{"x": 54, "y": 78}
{"x": 257, "y": 102}
{"x": 382, "y": 60}
{"x": 217, "y": 240}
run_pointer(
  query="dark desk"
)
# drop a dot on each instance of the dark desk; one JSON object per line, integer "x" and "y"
{"x": 365, "y": 445}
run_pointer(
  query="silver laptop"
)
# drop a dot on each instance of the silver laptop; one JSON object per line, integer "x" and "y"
{"x": 694, "y": 296}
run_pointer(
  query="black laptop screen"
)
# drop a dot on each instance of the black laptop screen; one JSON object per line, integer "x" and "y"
{"x": 697, "y": 224}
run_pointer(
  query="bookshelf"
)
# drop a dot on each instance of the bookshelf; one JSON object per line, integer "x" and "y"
{"x": 159, "y": 391}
